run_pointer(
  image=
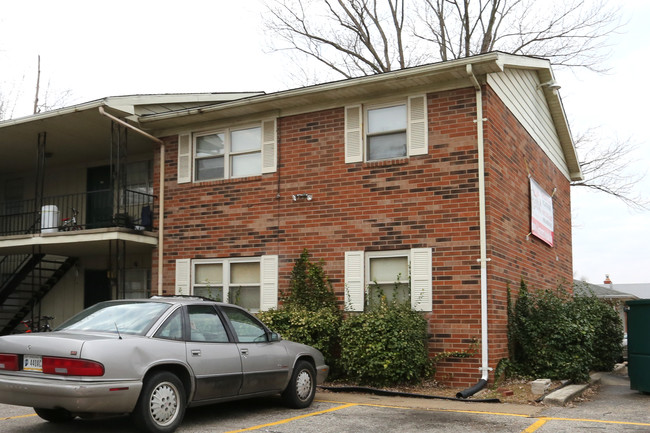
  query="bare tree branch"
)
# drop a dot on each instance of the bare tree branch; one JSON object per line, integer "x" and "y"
{"x": 607, "y": 167}
{"x": 361, "y": 37}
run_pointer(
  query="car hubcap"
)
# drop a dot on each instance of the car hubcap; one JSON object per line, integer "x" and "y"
{"x": 164, "y": 403}
{"x": 303, "y": 385}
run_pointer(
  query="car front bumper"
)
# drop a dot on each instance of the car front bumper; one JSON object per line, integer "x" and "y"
{"x": 73, "y": 396}
{"x": 321, "y": 373}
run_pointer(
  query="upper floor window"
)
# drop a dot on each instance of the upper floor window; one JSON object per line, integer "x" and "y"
{"x": 228, "y": 154}
{"x": 386, "y": 132}
{"x": 396, "y": 129}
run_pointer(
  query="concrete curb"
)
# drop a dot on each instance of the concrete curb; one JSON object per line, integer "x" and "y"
{"x": 568, "y": 393}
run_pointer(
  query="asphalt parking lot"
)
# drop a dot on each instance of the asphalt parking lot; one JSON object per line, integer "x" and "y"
{"x": 613, "y": 408}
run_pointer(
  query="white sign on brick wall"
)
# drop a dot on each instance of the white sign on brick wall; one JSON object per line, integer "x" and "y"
{"x": 541, "y": 213}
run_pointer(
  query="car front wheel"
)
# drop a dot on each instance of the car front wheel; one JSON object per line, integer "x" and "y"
{"x": 302, "y": 388}
{"x": 161, "y": 405}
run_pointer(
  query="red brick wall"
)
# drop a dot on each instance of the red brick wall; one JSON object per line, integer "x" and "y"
{"x": 423, "y": 201}
{"x": 512, "y": 156}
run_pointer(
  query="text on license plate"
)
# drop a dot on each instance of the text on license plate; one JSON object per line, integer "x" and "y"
{"x": 32, "y": 363}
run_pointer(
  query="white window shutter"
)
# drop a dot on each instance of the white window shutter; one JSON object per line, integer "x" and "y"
{"x": 421, "y": 297}
{"x": 269, "y": 146}
{"x": 418, "y": 136}
{"x": 353, "y": 134}
{"x": 269, "y": 280}
{"x": 185, "y": 158}
{"x": 354, "y": 280}
{"x": 183, "y": 277}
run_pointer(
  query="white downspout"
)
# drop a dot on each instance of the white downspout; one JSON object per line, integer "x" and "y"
{"x": 161, "y": 194}
{"x": 485, "y": 369}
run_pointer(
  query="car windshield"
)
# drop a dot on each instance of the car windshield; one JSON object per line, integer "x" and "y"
{"x": 123, "y": 317}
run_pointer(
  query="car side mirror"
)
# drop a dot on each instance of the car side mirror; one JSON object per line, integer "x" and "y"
{"x": 275, "y": 336}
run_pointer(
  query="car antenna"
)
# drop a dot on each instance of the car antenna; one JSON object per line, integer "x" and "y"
{"x": 118, "y": 330}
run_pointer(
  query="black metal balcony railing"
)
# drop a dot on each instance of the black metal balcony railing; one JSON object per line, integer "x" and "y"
{"x": 96, "y": 209}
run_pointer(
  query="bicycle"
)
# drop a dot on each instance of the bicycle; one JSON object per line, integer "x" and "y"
{"x": 70, "y": 224}
{"x": 28, "y": 325}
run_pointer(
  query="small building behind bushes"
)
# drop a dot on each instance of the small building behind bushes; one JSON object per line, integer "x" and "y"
{"x": 437, "y": 185}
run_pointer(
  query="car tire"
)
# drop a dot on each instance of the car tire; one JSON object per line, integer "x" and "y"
{"x": 161, "y": 405}
{"x": 302, "y": 387}
{"x": 54, "y": 415}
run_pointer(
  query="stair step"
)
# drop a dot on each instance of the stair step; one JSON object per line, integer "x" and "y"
{"x": 34, "y": 277}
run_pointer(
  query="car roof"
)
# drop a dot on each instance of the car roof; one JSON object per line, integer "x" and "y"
{"x": 174, "y": 299}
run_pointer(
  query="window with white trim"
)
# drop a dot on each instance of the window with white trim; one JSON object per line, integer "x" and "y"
{"x": 229, "y": 153}
{"x": 235, "y": 281}
{"x": 387, "y": 274}
{"x": 250, "y": 282}
{"x": 396, "y": 129}
{"x": 386, "y": 132}
{"x": 394, "y": 275}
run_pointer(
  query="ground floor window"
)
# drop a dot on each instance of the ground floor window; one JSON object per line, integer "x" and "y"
{"x": 250, "y": 282}
{"x": 387, "y": 274}
{"x": 399, "y": 275}
{"x": 233, "y": 281}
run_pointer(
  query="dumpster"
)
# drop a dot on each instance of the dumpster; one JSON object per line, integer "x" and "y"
{"x": 638, "y": 344}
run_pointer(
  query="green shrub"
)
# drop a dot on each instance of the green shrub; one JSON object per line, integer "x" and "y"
{"x": 319, "y": 329}
{"x": 385, "y": 346}
{"x": 607, "y": 328}
{"x": 309, "y": 314}
{"x": 309, "y": 285}
{"x": 555, "y": 335}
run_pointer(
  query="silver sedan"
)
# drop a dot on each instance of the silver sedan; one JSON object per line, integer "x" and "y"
{"x": 153, "y": 358}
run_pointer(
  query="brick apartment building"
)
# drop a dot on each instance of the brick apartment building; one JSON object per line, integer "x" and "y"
{"x": 376, "y": 176}
{"x": 452, "y": 176}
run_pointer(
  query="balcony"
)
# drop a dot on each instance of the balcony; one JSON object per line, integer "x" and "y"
{"x": 74, "y": 212}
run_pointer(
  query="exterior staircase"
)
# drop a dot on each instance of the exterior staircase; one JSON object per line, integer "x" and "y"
{"x": 24, "y": 281}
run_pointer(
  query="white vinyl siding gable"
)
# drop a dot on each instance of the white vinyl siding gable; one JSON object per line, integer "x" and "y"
{"x": 184, "y": 158}
{"x": 518, "y": 89}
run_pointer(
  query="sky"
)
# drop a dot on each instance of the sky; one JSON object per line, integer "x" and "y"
{"x": 91, "y": 50}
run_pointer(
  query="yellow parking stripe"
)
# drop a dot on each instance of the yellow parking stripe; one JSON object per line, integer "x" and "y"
{"x": 534, "y": 427}
{"x": 286, "y": 420}
{"x": 540, "y": 420}
{"x": 17, "y": 417}
{"x": 599, "y": 421}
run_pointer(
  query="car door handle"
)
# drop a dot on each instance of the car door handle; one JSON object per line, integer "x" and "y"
{"x": 196, "y": 352}
{"x": 244, "y": 352}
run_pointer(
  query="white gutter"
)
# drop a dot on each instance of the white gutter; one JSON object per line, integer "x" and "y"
{"x": 161, "y": 194}
{"x": 485, "y": 369}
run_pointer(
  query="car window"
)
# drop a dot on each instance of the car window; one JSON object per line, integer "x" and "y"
{"x": 247, "y": 328}
{"x": 173, "y": 327}
{"x": 117, "y": 317}
{"x": 206, "y": 325}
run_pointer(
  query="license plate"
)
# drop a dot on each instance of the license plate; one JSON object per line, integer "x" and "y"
{"x": 33, "y": 363}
